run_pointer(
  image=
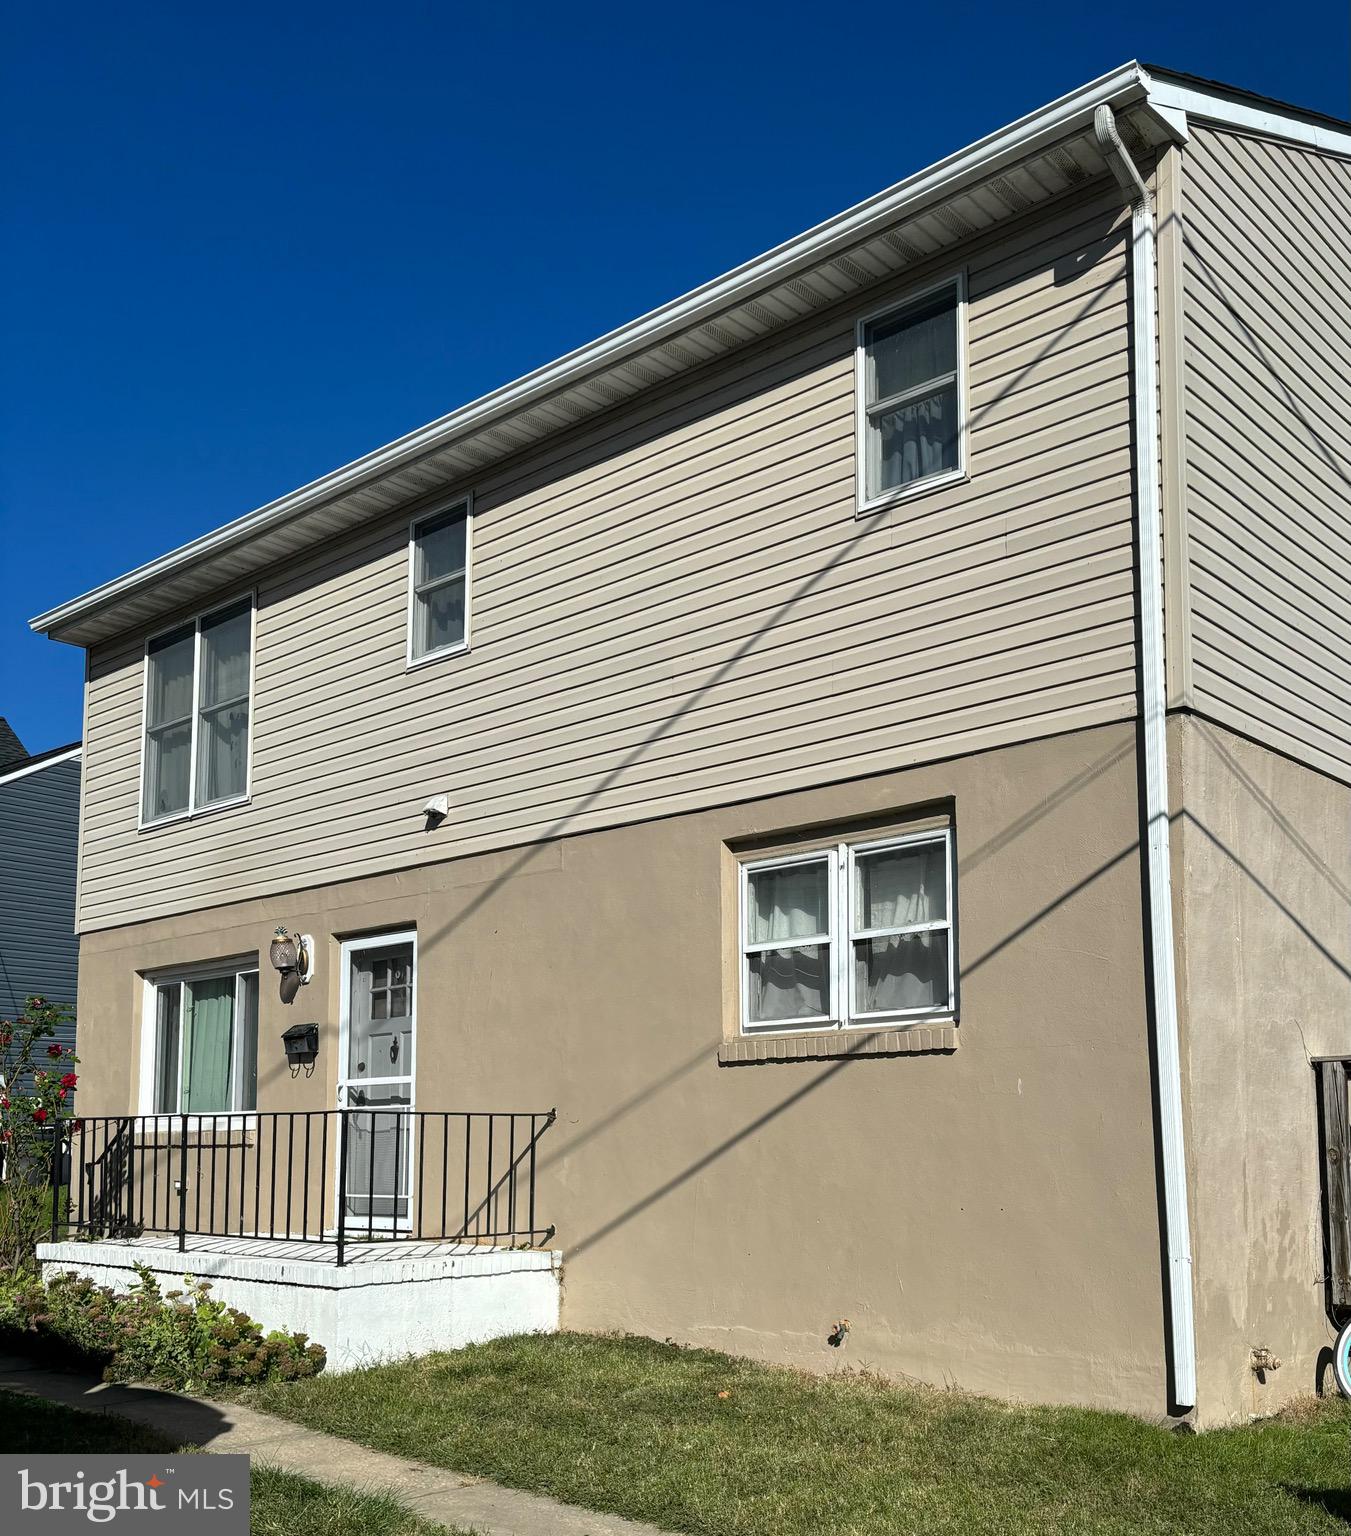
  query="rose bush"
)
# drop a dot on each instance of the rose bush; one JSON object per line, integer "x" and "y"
{"x": 36, "y": 1120}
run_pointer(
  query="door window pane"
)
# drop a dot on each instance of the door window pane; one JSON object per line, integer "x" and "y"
{"x": 380, "y": 1026}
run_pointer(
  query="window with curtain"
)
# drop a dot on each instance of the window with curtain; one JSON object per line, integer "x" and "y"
{"x": 438, "y": 621}
{"x": 847, "y": 935}
{"x": 206, "y": 1044}
{"x": 197, "y": 714}
{"x": 910, "y": 368}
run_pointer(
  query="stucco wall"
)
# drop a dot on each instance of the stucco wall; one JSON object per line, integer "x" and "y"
{"x": 986, "y": 1216}
{"x": 1263, "y": 851}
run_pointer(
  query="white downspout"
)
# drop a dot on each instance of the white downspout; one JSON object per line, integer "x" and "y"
{"x": 1160, "y": 879}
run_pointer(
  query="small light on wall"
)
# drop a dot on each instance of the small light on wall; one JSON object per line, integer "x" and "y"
{"x": 302, "y": 1047}
{"x": 436, "y": 810}
{"x": 292, "y": 957}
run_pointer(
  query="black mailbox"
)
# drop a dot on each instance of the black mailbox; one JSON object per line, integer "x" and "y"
{"x": 302, "y": 1045}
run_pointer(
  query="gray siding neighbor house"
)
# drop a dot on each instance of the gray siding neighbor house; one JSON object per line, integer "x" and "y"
{"x": 39, "y": 837}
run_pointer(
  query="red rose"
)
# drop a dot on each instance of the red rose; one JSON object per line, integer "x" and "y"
{"x": 77, "y": 1125}
{"x": 39, "y": 1115}
{"x": 6, "y": 1135}
{"x": 62, "y": 1094}
{"x": 5, "y": 1037}
{"x": 53, "y": 1050}
{"x": 69, "y": 1080}
{"x": 4, "y": 1103}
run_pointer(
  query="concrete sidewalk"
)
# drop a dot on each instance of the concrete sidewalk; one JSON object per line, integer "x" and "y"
{"x": 451, "y": 1498}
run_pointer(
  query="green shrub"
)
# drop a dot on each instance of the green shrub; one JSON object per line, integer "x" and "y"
{"x": 179, "y": 1339}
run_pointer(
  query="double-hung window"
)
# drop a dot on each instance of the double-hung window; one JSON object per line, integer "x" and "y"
{"x": 438, "y": 584}
{"x": 849, "y": 935}
{"x": 197, "y": 692}
{"x": 204, "y": 1043}
{"x": 911, "y": 395}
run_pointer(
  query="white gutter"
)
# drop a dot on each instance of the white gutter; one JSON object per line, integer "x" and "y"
{"x": 46, "y": 762}
{"x": 1155, "y": 728}
{"x": 1040, "y": 129}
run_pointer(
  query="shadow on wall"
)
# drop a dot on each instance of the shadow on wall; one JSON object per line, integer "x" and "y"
{"x": 1332, "y": 456}
{"x": 774, "y": 619}
{"x": 1299, "y": 845}
{"x": 826, "y": 1073}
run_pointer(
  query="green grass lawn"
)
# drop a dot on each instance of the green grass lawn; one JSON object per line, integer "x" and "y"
{"x": 282, "y": 1505}
{"x": 639, "y": 1428}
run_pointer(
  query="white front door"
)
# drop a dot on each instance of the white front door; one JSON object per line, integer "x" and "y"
{"x": 375, "y": 1078}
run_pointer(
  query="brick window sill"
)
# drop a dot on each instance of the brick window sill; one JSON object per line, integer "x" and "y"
{"x": 938, "y": 1038}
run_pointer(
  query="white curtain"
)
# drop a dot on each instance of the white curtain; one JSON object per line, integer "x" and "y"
{"x": 894, "y": 889}
{"x": 791, "y": 981}
{"x": 917, "y": 439}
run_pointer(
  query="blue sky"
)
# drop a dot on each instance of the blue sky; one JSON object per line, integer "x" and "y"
{"x": 246, "y": 244}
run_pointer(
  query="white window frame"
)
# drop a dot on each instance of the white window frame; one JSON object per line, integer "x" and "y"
{"x": 450, "y": 504}
{"x": 862, "y": 431}
{"x": 839, "y": 858}
{"x": 215, "y": 970}
{"x": 192, "y": 809}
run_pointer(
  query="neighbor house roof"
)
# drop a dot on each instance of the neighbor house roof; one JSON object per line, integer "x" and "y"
{"x": 18, "y": 768}
{"x": 12, "y": 750}
{"x": 998, "y": 178}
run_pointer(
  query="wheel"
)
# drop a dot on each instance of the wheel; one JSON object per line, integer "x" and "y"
{"x": 1341, "y": 1360}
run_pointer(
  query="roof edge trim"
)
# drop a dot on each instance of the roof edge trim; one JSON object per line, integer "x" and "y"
{"x": 1124, "y": 86}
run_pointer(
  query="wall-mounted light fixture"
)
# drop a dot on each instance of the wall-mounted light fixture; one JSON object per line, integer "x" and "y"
{"x": 292, "y": 957}
{"x": 302, "y": 1047}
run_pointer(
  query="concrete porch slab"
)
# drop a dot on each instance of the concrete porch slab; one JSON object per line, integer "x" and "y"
{"x": 391, "y": 1299}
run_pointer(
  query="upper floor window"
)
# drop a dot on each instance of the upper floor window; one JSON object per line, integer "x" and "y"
{"x": 197, "y": 690}
{"x": 438, "y": 584}
{"x": 849, "y": 934}
{"x": 911, "y": 395}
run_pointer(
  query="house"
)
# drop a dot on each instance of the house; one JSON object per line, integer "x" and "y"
{"x": 868, "y": 744}
{"x": 39, "y": 831}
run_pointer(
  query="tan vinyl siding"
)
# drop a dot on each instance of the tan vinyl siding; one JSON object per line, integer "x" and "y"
{"x": 677, "y": 607}
{"x": 1267, "y": 271}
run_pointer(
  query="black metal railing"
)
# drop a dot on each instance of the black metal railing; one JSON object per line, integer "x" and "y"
{"x": 337, "y": 1177}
